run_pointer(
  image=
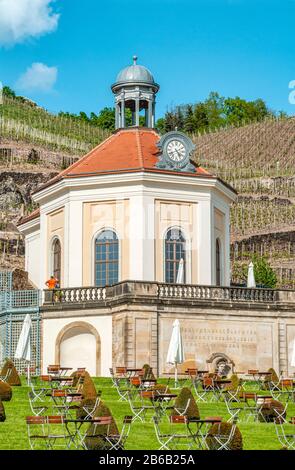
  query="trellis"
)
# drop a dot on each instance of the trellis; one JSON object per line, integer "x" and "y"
{"x": 14, "y": 305}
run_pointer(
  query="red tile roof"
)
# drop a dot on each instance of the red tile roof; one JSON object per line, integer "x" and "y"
{"x": 34, "y": 215}
{"x": 127, "y": 150}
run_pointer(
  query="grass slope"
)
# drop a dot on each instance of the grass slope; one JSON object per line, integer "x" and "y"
{"x": 13, "y": 432}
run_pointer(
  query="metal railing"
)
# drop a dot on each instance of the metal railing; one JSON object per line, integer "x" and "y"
{"x": 24, "y": 300}
{"x": 5, "y": 280}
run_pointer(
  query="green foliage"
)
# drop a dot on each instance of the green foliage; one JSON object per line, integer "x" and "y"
{"x": 224, "y": 429}
{"x": 5, "y": 391}
{"x": 268, "y": 413}
{"x": 88, "y": 389}
{"x": 93, "y": 440}
{"x": 8, "y": 92}
{"x": 235, "y": 382}
{"x": 263, "y": 272}
{"x": 181, "y": 404}
{"x": 2, "y": 412}
{"x": 14, "y": 378}
{"x": 33, "y": 157}
{"x": 148, "y": 372}
{"x": 215, "y": 112}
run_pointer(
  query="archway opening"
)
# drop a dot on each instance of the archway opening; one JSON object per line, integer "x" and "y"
{"x": 78, "y": 345}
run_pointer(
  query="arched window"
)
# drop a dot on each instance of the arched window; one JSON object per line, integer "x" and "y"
{"x": 174, "y": 252}
{"x": 106, "y": 258}
{"x": 56, "y": 259}
{"x": 218, "y": 263}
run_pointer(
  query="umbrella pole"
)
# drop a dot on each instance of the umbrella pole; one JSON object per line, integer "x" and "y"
{"x": 28, "y": 374}
{"x": 175, "y": 377}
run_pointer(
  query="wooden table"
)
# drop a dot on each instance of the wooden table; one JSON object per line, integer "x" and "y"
{"x": 163, "y": 402}
{"x": 77, "y": 434}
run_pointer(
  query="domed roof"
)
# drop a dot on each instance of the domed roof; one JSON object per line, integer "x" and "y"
{"x": 135, "y": 74}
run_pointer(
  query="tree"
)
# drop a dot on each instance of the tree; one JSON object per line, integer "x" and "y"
{"x": 8, "y": 92}
{"x": 214, "y": 106}
{"x": 201, "y": 120}
{"x": 106, "y": 119}
{"x": 263, "y": 272}
{"x": 189, "y": 124}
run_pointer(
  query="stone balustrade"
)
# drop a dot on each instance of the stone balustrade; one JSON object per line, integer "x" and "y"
{"x": 217, "y": 293}
{"x": 138, "y": 289}
{"x": 75, "y": 295}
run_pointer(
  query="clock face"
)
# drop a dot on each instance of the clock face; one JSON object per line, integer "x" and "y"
{"x": 176, "y": 150}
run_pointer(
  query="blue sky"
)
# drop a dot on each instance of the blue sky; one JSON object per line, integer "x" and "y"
{"x": 240, "y": 48}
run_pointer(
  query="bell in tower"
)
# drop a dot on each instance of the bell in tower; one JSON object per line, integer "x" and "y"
{"x": 135, "y": 89}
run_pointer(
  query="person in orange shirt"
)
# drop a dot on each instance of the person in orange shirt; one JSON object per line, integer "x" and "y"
{"x": 52, "y": 283}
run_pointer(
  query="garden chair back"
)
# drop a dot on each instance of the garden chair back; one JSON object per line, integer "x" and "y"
{"x": 117, "y": 441}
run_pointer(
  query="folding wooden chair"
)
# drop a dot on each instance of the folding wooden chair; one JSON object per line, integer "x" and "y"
{"x": 170, "y": 440}
{"x": 122, "y": 391}
{"x": 117, "y": 441}
{"x": 139, "y": 404}
{"x": 64, "y": 403}
{"x": 250, "y": 407}
{"x": 5, "y": 377}
{"x": 182, "y": 411}
{"x": 37, "y": 405}
{"x": 49, "y": 431}
{"x": 285, "y": 439}
{"x": 90, "y": 407}
{"x": 233, "y": 411}
{"x": 95, "y": 431}
{"x": 221, "y": 441}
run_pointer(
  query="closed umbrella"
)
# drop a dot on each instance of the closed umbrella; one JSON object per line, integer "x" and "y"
{"x": 180, "y": 272}
{"x": 251, "y": 283}
{"x": 175, "y": 353}
{"x": 293, "y": 355}
{"x": 23, "y": 349}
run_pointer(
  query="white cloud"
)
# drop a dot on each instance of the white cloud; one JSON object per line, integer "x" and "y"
{"x": 22, "y": 19}
{"x": 38, "y": 77}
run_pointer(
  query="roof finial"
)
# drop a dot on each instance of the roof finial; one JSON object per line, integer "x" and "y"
{"x": 135, "y": 59}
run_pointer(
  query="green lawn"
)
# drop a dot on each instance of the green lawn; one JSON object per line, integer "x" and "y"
{"x": 13, "y": 432}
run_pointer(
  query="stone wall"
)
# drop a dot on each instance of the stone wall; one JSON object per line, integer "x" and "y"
{"x": 251, "y": 333}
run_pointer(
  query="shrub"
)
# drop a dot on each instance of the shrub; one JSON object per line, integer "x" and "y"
{"x": 161, "y": 388}
{"x": 225, "y": 429}
{"x": 88, "y": 388}
{"x": 148, "y": 372}
{"x": 33, "y": 157}
{"x": 95, "y": 442}
{"x": 2, "y": 412}
{"x": 268, "y": 413}
{"x": 270, "y": 378}
{"x": 14, "y": 378}
{"x": 5, "y": 391}
{"x": 181, "y": 403}
{"x": 235, "y": 381}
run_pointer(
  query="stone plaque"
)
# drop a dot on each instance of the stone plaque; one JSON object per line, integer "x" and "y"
{"x": 247, "y": 343}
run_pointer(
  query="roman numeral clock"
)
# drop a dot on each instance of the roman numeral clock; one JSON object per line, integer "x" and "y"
{"x": 175, "y": 151}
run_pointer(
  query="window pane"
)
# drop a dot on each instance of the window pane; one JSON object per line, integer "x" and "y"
{"x": 106, "y": 258}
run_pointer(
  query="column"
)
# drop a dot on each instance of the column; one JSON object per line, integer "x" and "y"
{"x": 205, "y": 240}
{"x": 227, "y": 273}
{"x": 150, "y": 114}
{"x": 117, "y": 115}
{"x": 45, "y": 254}
{"x": 74, "y": 252}
{"x": 137, "y": 112}
{"x": 122, "y": 123}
